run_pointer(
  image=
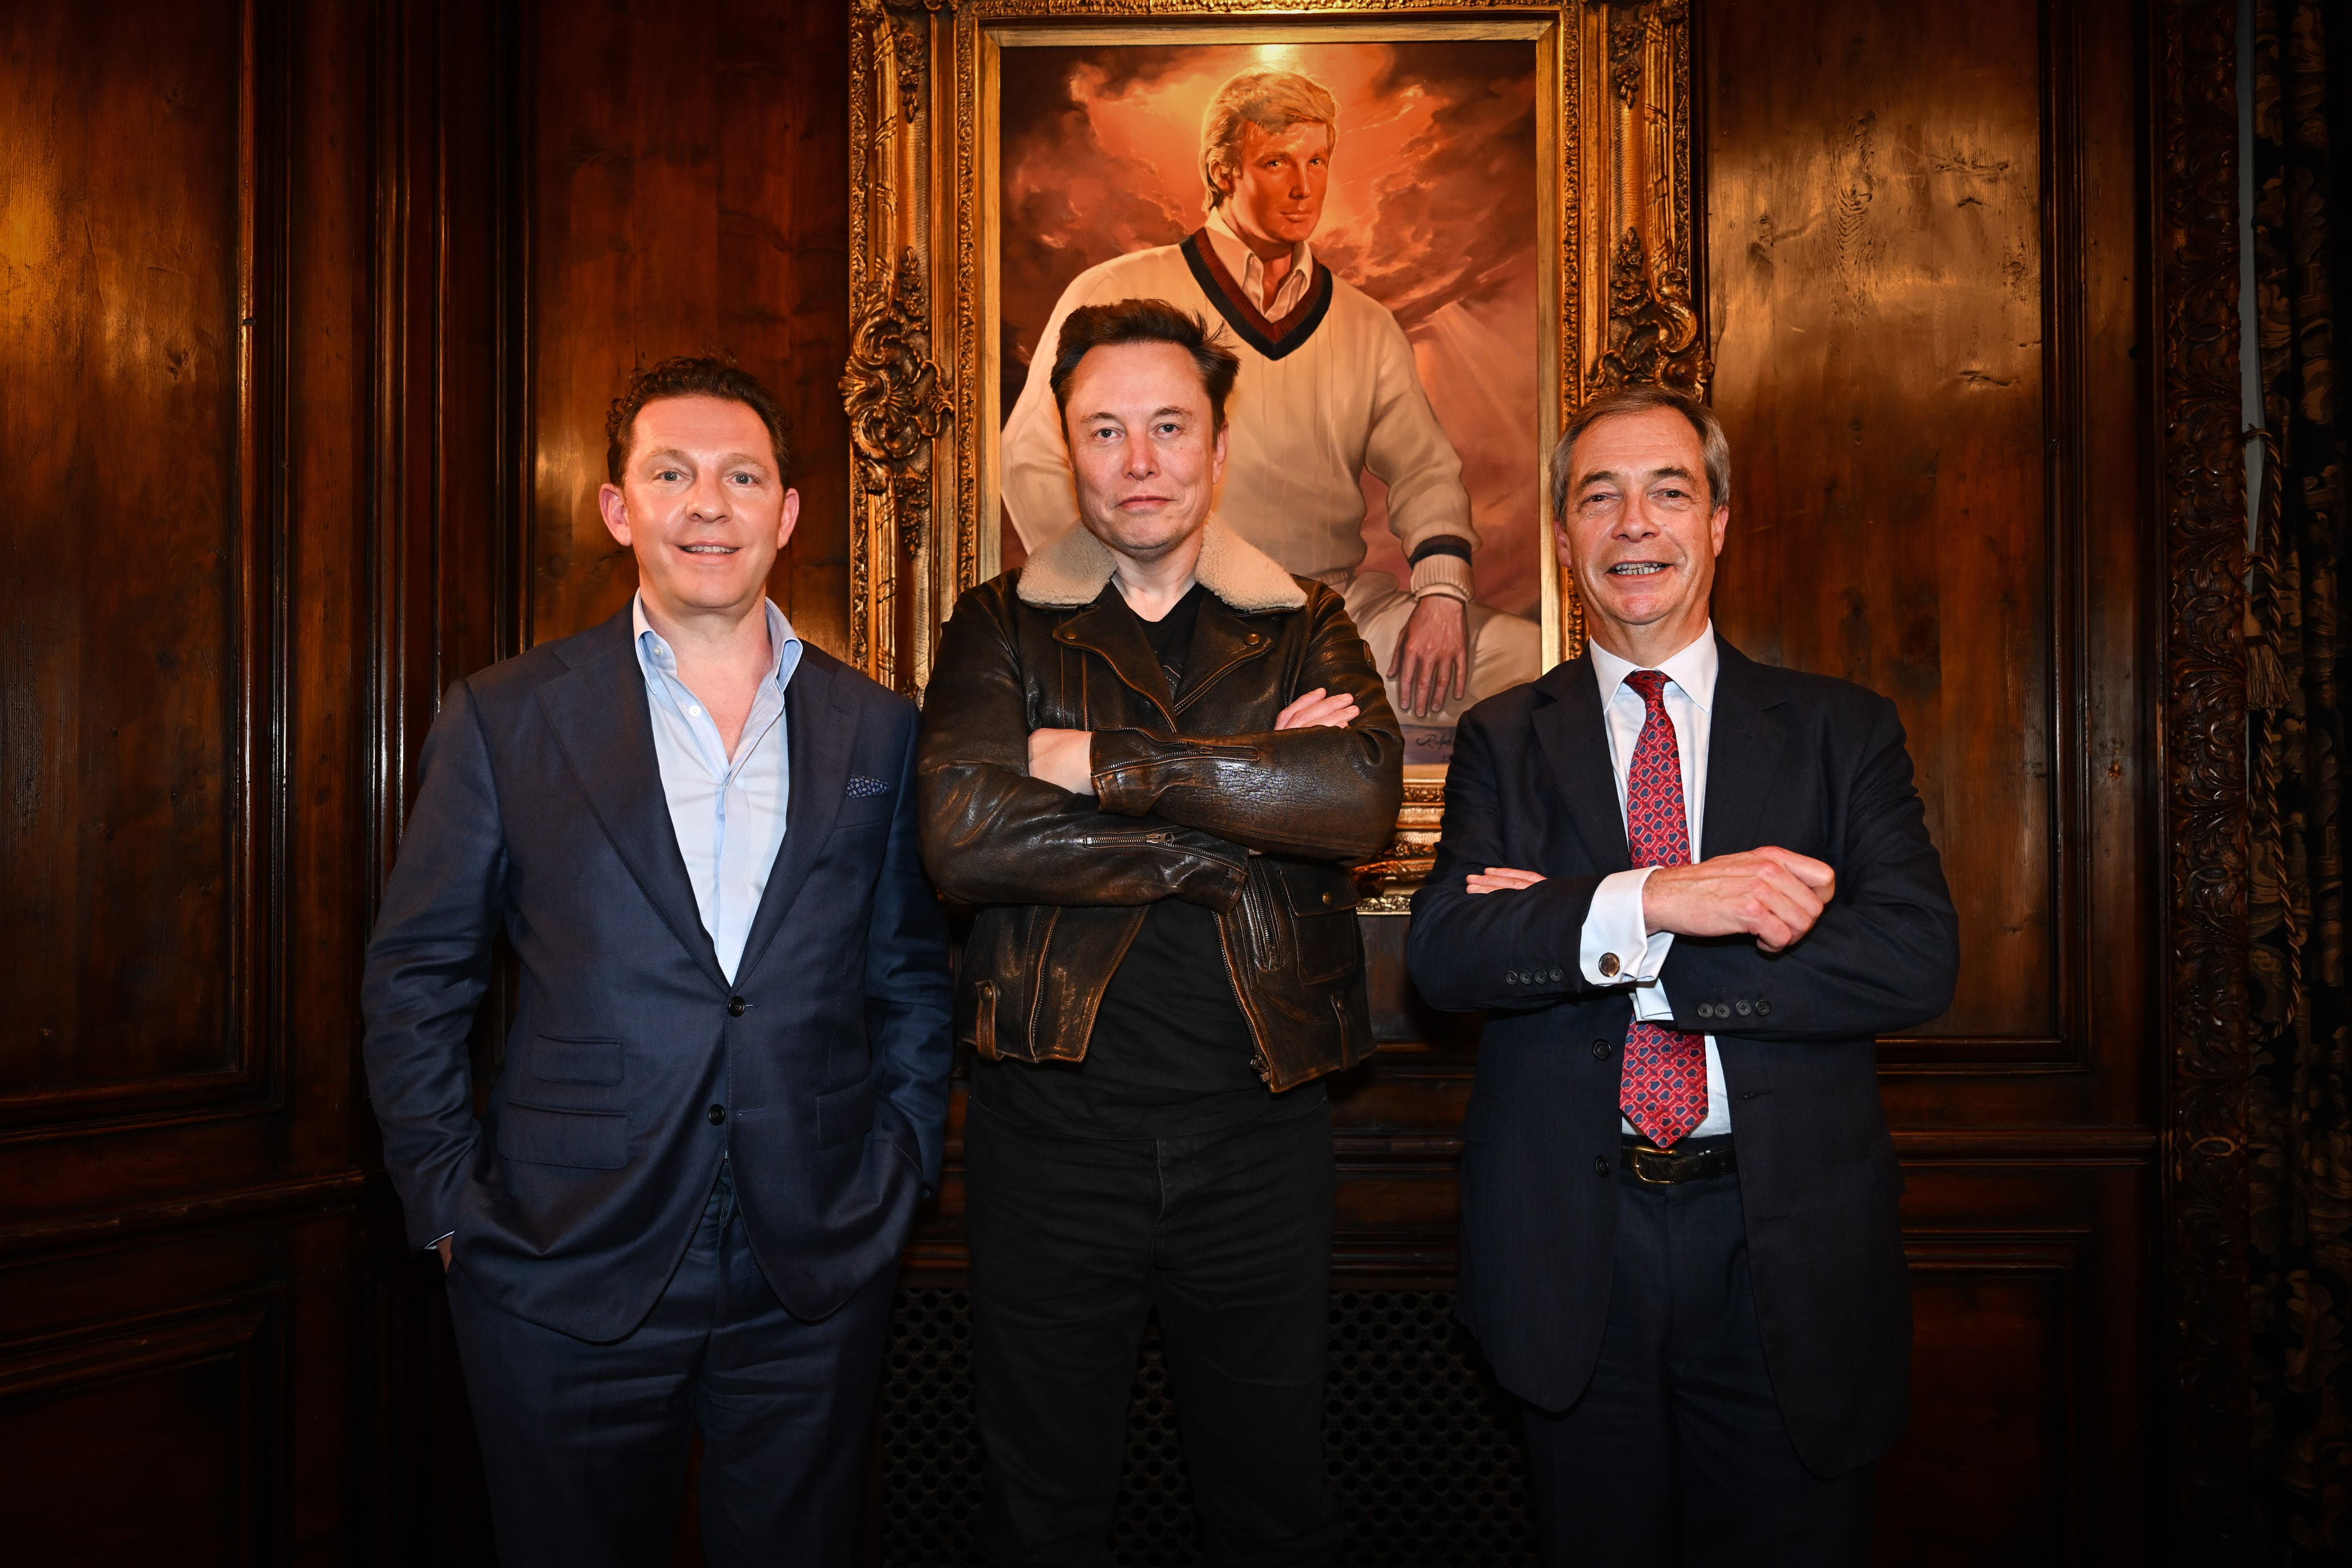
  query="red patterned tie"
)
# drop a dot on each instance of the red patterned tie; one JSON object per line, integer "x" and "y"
{"x": 1664, "y": 1093}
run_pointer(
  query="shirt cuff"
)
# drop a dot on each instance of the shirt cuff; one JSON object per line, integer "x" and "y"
{"x": 1616, "y": 947}
{"x": 1446, "y": 574}
{"x": 435, "y": 1245}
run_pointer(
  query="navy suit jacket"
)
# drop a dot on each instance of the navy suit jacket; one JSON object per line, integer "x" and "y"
{"x": 1802, "y": 761}
{"x": 542, "y": 815}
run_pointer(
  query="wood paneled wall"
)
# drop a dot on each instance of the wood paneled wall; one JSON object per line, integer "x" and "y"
{"x": 184, "y": 273}
{"x": 1922, "y": 280}
{"x": 689, "y": 195}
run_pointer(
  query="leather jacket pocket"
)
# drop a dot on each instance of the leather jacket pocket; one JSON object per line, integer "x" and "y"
{"x": 1322, "y": 901}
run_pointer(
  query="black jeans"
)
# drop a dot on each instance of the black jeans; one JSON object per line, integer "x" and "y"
{"x": 1675, "y": 1453}
{"x": 1074, "y": 1241}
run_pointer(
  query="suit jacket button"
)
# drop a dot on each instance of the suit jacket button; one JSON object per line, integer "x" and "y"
{"x": 1556, "y": 976}
{"x": 717, "y": 1113}
{"x": 1609, "y": 965}
{"x": 1600, "y": 1050}
{"x": 1510, "y": 977}
{"x": 1763, "y": 1009}
{"x": 736, "y": 1006}
{"x": 1743, "y": 1008}
{"x": 1600, "y": 1167}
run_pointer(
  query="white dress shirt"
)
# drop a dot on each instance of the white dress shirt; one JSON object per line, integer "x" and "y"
{"x": 728, "y": 812}
{"x": 1250, "y": 271}
{"x": 1614, "y": 923}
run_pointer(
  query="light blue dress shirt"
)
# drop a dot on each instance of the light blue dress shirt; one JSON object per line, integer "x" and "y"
{"x": 1614, "y": 922}
{"x": 729, "y": 811}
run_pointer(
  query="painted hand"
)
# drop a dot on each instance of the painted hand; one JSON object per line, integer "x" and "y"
{"x": 1433, "y": 654}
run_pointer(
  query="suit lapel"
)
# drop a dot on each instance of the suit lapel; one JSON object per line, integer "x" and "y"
{"x": 820, "y": 736}
{"x": 605, "y": 731}
{"x": 1743, "y": 752}
{"x": 1574, "y": 735}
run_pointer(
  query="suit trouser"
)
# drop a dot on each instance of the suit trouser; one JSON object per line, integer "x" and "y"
{"x": 1074, "y": 1241}
{"x": 1675, "y": 1453}
{"x": 585, "y": 1444}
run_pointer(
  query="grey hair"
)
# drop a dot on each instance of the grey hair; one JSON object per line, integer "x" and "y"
{"x": 1274, "y": 102}
{"x": 1712, "y": 444}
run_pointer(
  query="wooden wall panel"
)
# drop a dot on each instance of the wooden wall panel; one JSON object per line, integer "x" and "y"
{"x": 1877, "y": 280}
{"x": 182, "y": 1403}
{"x": 185, "y": 226}
{"x": 126, "y": 838}
{"x": 1920, "y": 269}
{"x": 688, "y": 196}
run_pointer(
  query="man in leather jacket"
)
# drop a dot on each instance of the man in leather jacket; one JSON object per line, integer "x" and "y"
{"x": 1147, "y": 759}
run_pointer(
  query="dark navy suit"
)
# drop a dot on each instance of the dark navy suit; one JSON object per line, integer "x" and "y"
{"x": 1801, "y": 761}
{"x": 670, "y": 1163}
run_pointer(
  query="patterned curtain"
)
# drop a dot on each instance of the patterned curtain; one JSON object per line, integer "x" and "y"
{"x": 2302, "y": 1111}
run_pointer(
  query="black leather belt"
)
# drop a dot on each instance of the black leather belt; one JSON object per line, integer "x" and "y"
{"x": 1692, "y": 1159}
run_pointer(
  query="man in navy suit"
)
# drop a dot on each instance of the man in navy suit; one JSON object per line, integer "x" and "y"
{"x": 1690, "y": 890}
{"x": 727, "y": 1078}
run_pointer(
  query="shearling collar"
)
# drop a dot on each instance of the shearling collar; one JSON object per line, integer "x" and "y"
{"x": 1070, "y": 573}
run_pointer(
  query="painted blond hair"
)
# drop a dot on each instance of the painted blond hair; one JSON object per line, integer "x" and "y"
{"x": 1274, "y": 102}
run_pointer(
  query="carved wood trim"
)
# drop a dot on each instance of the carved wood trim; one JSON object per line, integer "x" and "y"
{"x": 2202, "y": 492}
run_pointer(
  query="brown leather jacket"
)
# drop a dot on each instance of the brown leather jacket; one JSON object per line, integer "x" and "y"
{"x": 1183, "y": 797}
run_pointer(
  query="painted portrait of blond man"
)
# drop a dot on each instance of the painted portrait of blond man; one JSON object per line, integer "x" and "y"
{"x": 1359, "y": 221}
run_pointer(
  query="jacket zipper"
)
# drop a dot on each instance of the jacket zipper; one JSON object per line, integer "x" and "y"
{"x": 1257, "y": 1030}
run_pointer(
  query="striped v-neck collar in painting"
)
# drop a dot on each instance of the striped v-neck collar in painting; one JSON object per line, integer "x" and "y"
{"x": 1273, "y": 339}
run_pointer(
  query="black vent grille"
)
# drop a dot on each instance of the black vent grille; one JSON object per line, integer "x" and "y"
{"x": 1423, "y": 1449}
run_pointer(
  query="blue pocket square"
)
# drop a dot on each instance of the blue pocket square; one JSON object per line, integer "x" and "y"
{"x": 861, "y": 787}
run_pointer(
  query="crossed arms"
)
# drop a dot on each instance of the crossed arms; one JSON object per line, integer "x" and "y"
{"x": 1144, "y": 815}
{"x": 1862, "y": 944}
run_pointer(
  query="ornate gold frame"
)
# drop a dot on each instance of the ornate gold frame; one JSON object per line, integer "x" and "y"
{"x": 1616, "y": 123}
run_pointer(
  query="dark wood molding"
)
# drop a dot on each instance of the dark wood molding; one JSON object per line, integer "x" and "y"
{"x": 271, "y": 1201}
{"x": 2201, "y": 491}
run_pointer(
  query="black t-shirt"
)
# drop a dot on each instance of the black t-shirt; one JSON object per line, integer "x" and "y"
{"x": 1169, "y": 1055}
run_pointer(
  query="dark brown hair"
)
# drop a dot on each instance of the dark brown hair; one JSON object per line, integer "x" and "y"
{"x": 1091, "y": 327}
{"x": 1713, "y": 447}
{"x": 692, "y": 375}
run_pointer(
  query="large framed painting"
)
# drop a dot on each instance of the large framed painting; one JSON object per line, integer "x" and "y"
{"x": 1429, "y": 231}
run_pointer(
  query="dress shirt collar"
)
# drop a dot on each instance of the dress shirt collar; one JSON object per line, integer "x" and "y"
{"x": 1692, "y": 670}
{"x": 1243, "y": 263}
{"x": 656, "y": 656}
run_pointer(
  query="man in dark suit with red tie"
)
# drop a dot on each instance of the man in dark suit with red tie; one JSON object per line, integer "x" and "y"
{"x": 1690, "y": 891}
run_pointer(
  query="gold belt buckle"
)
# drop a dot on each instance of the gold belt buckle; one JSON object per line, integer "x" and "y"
{"x": 1642, "y": 1151}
